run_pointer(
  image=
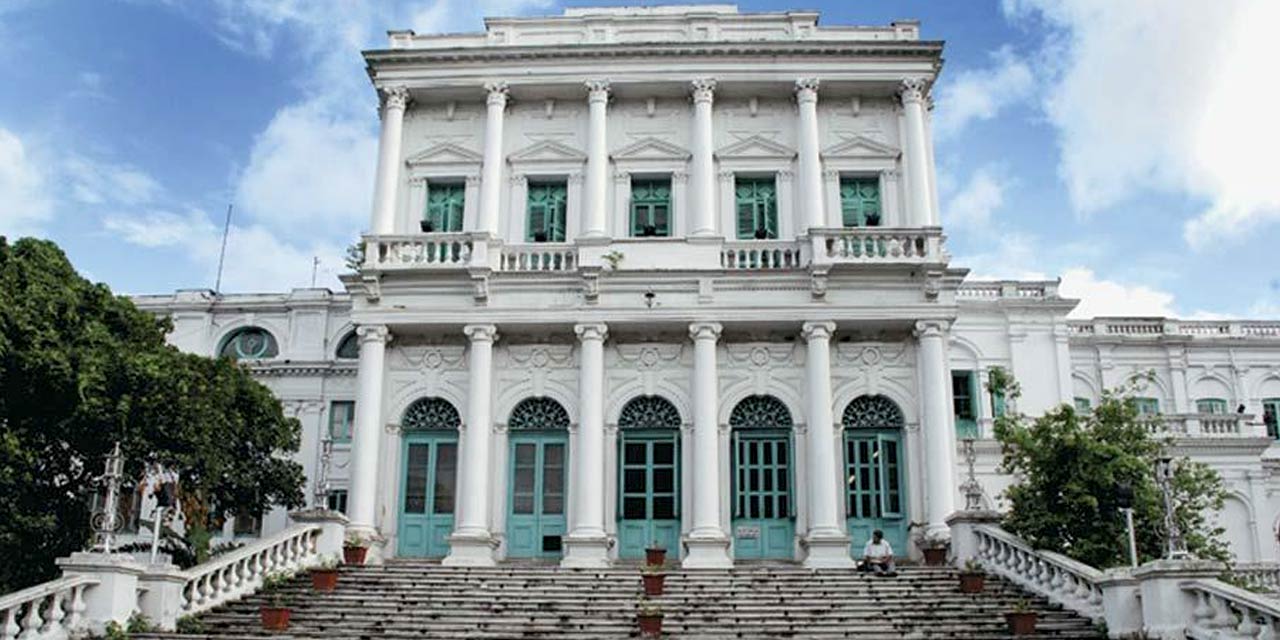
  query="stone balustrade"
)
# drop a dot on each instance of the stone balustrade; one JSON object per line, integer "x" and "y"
{"x": 54, "y": 609}
{"x": 1060, "y": 579}
{"x": 420, "y": 251}
{"x": 995, "y": 290}
{"x": 539, "y": 257}
{"x": 765, "y": 254}
{"x": 1205, "y": 425}
{"x": 1263, "y": 575}
{"x": 1158, "y": 327}
{"x": 1224, "y": 612}
{"x": 241, "y": 572}
{"x": 878, "y": 245}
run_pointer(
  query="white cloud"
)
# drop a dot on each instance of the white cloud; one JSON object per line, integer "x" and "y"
{"x": 98, "y": 182}
{"x": 1101, "y": 297}
{"x": 1012, "y": 258}
{"x": 980, "y": 94}
{"x": 25, "y": 203}
{"x": 972, "y": 206}
{"x": 1171, "y": 97}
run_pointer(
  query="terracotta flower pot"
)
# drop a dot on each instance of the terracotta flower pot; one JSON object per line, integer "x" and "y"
{"x": 655, "y": 556}
{"x": 324, "y": 579}
{"x": 275, "y": 618}
{"x": 650, "y": 624}
{"x": 354, "y": 555}
{"x": 935, "y": 556}
{"x": 972, "y": 582}
{"x": 654, "y": 583}
{"x": 1021, "y": 623}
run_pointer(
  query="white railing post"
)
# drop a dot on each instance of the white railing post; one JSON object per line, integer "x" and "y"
{"x": 964, "y": 537}
{"x": 1121, "y": 603}
{"x": 1166, "y": 607}
{"x": 115, "y": 596}
{"x": 161, "y": 598}
{"x": 333, "y": 526}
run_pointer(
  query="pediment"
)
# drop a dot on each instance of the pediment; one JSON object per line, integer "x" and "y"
{"x": 547, "y": 151}
{"x": 444, "y": 153}
{"x": 756, "y": 147}
{"x": 651, "y": 149}
{"x": 860, "y": 147}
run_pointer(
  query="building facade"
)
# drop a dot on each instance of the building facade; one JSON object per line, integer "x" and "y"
{"x": 677, "y": 276}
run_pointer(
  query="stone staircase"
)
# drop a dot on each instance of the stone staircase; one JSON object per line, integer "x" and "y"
{"x": 416, "y": 599}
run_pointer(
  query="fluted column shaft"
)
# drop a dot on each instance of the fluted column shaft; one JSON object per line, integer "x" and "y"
{"x": 814, "y": 213}
{"x": 394, "y": 102}
{"x": 919, "y": 202}
{"x": 491, "y": 169}
{"x": 939, "y": 432}
{"x": 594, "y": 214}
{"x": 366, "y": 439}
{"x": 702, "y": 172}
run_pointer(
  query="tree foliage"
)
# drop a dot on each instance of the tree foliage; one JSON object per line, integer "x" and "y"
{"x": 81, "y": 369}
{"x": 1067, "y": 467}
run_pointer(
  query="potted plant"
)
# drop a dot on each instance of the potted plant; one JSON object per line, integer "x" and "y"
{"x": 354, "y": 549}
{"x": 933, "y": 547}
{"x": 324, "y": 576}
{"x": 275, "y": 612}
{"x": 427, "y": 226}
{"x": 649, "y": 617}
{"x": 655, "y": 555}
{"x": 654, "y": 579}
{"x": 1022, "y": 620}
{"x": 972, "y": 579}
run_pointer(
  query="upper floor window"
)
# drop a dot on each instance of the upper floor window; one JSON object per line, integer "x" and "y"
{"x": 349, "y": 348}
{"x": 338, "y": 500}
{"x": 445, "y": 202}
{"x": 546, "y": 212}
{"x": 1271, "y": 416}
{"x": 1083, "y": 405}
{"x": 860, "y": 202}
{"x": 1147, "y": 406}
{"x": 249, "y": 343}
{"x": 650, "y": 208}
{"x": 1211, "y": 405}
{"x": 342, "y": 415}
{"x": 757, "y": 205}
{"x": 963, "y": 385}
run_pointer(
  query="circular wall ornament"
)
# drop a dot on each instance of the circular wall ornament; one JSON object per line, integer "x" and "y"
{"x": 870, "y": 356}
{"x": 759, "y": 356}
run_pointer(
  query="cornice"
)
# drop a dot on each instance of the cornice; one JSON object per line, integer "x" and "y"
{"x": 303, "y": 369}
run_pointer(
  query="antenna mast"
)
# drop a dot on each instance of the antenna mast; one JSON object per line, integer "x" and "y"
{"x": 222, "y": 254}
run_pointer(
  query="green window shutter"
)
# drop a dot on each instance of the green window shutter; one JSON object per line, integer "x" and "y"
{"x": 546, "y": 212}
{"x": 757, "y": 205}
{"x": 1147, "y": 406}
{"x": 963, "y": 394}
{"x": 445, "y": 202}
{"x": 860, "y": 202}
{"x": 1083, "y": 405}
{"x": 342, "y": 414}
{"x": 1211, "y": 405}
{"x": 651, "y": 207}
{"x": 1271, "y": 416}
{"x": 997, "y": 404}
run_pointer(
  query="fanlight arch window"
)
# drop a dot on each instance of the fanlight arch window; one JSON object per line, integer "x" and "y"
{"x": 538, "y": 414}
{"x": 649, "y": 412}
{"x": 249, "y": 343}
{"x": 760, "y": 412}
{"x": 872, "y": 412}
{"x": 349, "y": 348}
{"x": 430, "y": 413}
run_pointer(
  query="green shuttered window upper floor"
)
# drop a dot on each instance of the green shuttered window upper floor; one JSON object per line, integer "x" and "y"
{"x": 545, "y": 209}
{"x": 650, "y": 208}
{"x": 860, "y": 202}
{"x": 445, "y": 203}
{"x": 757, "y": 208}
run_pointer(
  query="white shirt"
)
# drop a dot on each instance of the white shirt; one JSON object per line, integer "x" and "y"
{"x": 873, "y": 550}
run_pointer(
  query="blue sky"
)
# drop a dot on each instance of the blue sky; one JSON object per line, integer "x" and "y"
{"x": 1125, "y": 146}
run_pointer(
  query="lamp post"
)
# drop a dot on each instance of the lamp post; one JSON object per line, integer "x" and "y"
{"x": 971, "y": 488}
{"x": 107, "y": 520}
{"x": 1177, "y": 545}
{"x": 322, "y": 476}
{"x": 1124, "y": 498}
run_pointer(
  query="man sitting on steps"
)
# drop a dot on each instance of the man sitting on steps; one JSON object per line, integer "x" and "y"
{"x": 877, "y": 555}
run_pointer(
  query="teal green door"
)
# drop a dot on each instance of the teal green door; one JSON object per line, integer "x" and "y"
{"x": 874, "y": 460}
{"x": 649, "y": 494}
{"x": 763, "y": 514}
{"x": 536, "y": 518}
{"x": 430, "y": 479}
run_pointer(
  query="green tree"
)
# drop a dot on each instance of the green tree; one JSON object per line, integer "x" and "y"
{"x": 82, "y": 368}
{"x": 1067, "y": 466}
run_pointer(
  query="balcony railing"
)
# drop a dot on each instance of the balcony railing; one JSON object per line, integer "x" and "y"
{"x": 1205, "y": 425}
{"x": 421, "y": 251}
{"x": 878, "y": 245}
{"x": 539, "y": 257}
{"x": 764, "y": 254}
{"x": 1157, "y": 327}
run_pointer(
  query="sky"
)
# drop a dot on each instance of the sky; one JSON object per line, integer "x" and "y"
{"x": 1126, "y": 147}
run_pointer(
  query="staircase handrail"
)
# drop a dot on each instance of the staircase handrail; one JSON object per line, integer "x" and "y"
{"x": 56, "y": 607}
{"x": 1264, "y": 575}
{"x": 1223, "y": 611}
{"x": 1064, "y": 581}
{"x": 239, "y": 573}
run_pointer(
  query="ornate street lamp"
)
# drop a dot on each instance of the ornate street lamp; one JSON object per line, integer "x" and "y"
{"x": 106, "y": 519}
{"x": 322, "y": 475}
{"x": 1177, "y": 545}
{"x": 971, "y": 488}
{"x": 1124, "y": 499}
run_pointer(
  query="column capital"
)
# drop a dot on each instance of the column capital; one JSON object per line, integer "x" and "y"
{"x": 591, "y": 331}
{"x": 395, "y": 97}
{"x": 498, "y": 92}
{"x": 481, "y": 332}
{"x": 913, "y": 90}
{"x": 373, "y": 333}
{"x": 703, "y": 89}
{"x": 807, "y": 90}
{"x": 818, "y": 330}
{"x": 597, "y": 90}
{"x": 705, "y": 331}
{"x": 931, "y": 328}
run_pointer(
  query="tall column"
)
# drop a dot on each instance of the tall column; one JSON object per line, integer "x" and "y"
{"x": 471, "y": 543}
{"x": 828, "y": 546}
{"x": 707, "y": 544}
{"x": 586, "y": 545}
{"x": 594, "y": 212}
{"x": 394, "y": 102}
{"x": 491, "y": 170}
{"x": 366, "y": 437}
{"x": 702, "y": 173}
{"x": 919, "y": 209}
{"x": 814, "y": 214}
{"x": 939, "y": 433}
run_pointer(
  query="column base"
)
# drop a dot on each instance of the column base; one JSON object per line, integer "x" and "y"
{"x": 828, "y": 552}
{"x": 585, "y": 552}
{"x": 707, "y": 553}
{"x": 471, "y": 550}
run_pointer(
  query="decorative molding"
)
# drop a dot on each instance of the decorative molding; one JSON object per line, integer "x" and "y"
{"x": 931, "y": 328}
{"x": 703, "y": 89}
{"x": 760, "y": 355}
{"x": 444, "y": 153}
{"x": 705, "y": 331}
{"x": 591, "y": 331}
{"x": 481, "y": 332}
{"x": 756, "y": 147}
{"x": 428, "y": 358}
{"x": 646, "y": 356}
{"x": 860, "y": 147}
{"x": 497, "y": 93}
{"x": 547, "y": 151}
{"x": 395, "y": 97}
{"x": 370, "y": 333}
{"x": 652, "y": 148}
{"x": 597, "y": 90}
{"x": 680, "y": 177}
{"x": 912, "y": 90}
{"x": 821, "y": 330}
{"x": 541, "y": 356}
{"x": 807, "y": 90}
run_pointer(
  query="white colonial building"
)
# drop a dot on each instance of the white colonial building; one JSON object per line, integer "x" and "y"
{"x": 677, "y": 275}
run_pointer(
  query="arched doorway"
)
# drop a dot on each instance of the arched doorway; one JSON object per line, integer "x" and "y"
{"x": 874, "y": 460}
{"x": 539, "y": 441}
{"x": 648, "y": 476}
{"x": 763, "y": 502}
{"x": 430, "y": 472}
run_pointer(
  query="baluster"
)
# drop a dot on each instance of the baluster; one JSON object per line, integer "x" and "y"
{"x": 219, "y": 585}
{"x": 31, "y": 623}
{"x": 77, "y": 608}
{"x": 11, "y": 628}
{"x": 1059, "y": 581}
{"x": 53, "y": 629}
{"x": 1223, "y": 618}
{"x": 1247, "y": 627}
